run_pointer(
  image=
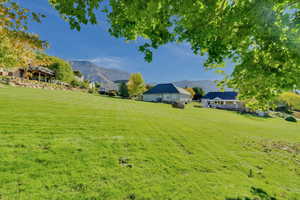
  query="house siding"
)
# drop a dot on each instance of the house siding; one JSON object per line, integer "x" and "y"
{"x": 165, "y": 97}
{"x": 226, "y": 104}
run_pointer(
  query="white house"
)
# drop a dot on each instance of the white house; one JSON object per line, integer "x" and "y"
{"x": 222, "y": 100}
{"x": 167, "y": 93}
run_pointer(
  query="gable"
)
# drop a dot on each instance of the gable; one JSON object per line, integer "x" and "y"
{"x": 162, "y": 88}
{"x": 221, "y": 95}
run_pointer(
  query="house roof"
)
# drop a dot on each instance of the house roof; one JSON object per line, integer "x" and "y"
{"x": 121, "y": 81}
{"x": 42, "y": 69}
{"x": 221, "y": 95}
{"x": 168, "y": 88}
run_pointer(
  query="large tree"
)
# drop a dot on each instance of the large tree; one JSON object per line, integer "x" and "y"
{"x": 199, "y": 93}
{"x": 260, "y": 36}
{"x": 123, "y": 90}
{"x": 18, "y": 48}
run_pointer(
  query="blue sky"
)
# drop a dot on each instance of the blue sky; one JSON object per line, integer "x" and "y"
{"x": 172, "y": 62}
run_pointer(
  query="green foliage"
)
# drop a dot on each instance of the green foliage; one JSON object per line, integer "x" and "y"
{"x": 92, "y": 90}
{"x": 199, "y": 93}
{"x": 85, "y": 84}
{"x": 63, "y": 70}
{"x": 97, "y": 85}
{"x": 123, "y": 90}
{"x": 291, "y": 99}
{"x": 75, "y": 83}
{"x": 136, "y": 85}
{"x": 291, "y": 119}
{"x": 78, "y": 73}
{"x": 260, "y": 36}
{"x": 17, "y": 47}
{"x": 68, "y": 145}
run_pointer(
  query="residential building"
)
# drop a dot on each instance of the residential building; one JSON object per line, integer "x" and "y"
{"x": 168, "y": 93}
{"x": 222, "y": 100}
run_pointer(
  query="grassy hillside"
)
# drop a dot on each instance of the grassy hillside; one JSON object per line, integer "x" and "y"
{"x": 68, "y": 145}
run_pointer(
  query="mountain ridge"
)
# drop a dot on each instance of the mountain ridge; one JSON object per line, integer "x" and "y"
{"x": 96, "y": 73}
{"x": 107, "y": 76}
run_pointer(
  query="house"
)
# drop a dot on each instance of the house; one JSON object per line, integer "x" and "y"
{"x": 119, "y": 82}
{"x": 107, "y": 87}
{"x": 222, "y": 100}
{"x": 32, "y": 73}
{"x": 168, "y": 93}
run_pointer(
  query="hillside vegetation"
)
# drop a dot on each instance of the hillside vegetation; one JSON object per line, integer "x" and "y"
{"x": 68, "y": 145}
{"x": 291, "y": 99}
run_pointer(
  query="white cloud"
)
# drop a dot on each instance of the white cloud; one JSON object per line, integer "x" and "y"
{"x": 109, "y": 62}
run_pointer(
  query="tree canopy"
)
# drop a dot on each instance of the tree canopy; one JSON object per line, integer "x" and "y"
{"x": 63, "y": 70}
{"x": 136, "y": 85}
{"x": 199, "y": 93}
{"x": 260, "y": 36}
{"x": 123, "y": 90}
{"x": 191, "y": 91}
{"x": 18, "y": 48}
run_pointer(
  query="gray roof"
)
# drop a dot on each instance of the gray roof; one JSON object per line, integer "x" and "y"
{"x": 42, "y": 69}
{"x": 221, "y": 95}
{"x": 167, "y": 88}
{"x": 121, "y": 81}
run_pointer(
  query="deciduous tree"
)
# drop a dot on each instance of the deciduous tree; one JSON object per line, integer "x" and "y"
{"x": 123, "y": 90}
{"x": 199, "y": 93}
{"x": 136, "y": 85}
{"x": 191, "y": 91}
{"x": 63, "y": 70}
{"x": 18, "y": 48}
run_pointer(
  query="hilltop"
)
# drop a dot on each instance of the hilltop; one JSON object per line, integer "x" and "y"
{"x": 97, "y": 73}
{"x": 206, "y": 85}
{"x": 73, "y": 145}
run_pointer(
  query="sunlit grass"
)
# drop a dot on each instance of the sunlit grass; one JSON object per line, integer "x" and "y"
{"x": 69, "y": 145}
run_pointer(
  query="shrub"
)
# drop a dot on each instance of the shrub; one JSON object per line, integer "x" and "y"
{"x": 63, "y": 69}
{"x": 291, "y": 99}
{"x": 112, "y": 93}
{"x": 84, "y": 84}
{"x": 291, "y": 119}
{"x": 123, "y": 90}
{"x": 178, "y": 105}
{"x": 75, "y": 83}
{"x": 92, "y": 90}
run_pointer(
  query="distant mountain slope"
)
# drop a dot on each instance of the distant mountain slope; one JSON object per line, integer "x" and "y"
{"x": 206, "y": 85}
{"x": 100, "y": 74}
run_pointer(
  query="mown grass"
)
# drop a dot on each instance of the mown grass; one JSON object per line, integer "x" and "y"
{"x": 68, "y": 145}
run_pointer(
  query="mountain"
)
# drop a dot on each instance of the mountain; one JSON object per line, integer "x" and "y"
{"x": 206, "y": 85}
{"x": 106, "y": 76}
{"x": 96, "y": 73}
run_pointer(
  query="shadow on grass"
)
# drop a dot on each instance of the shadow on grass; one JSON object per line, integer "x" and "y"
{"x": 253, "y": 116}
{"x": 258, "y": 194}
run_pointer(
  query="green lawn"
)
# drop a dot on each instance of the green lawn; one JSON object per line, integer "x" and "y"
{"x": 68, "y": 145}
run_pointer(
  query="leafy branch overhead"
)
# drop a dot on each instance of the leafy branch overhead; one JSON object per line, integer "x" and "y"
{"x": 260, "y": 36}
{"x": 18, "y": 47}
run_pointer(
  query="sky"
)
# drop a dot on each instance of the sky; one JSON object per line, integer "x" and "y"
{"x": 172, "y": 62}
